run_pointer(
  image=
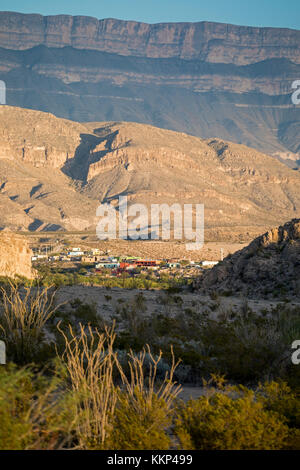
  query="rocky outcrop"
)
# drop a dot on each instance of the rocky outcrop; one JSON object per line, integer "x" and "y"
{"x": 212, "y": 42}
{"x": 15, "y": 256}
{"x": 268, "y": 267}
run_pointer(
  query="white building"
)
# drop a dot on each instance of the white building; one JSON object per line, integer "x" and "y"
{"x": 107, "y": 265}
{"x": 95, "y": 251}
{"x": 75, "y": 253}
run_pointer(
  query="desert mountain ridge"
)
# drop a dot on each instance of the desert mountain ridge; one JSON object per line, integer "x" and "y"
{"x": 206, "y": 79}
{"x": 54, "y": 173}
{"x": 205, "y": 40}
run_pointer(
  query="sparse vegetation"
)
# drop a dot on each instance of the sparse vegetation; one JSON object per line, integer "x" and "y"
{"x": 102, "y": 387}
{"x": 230, "y": 418}
{"x": 24, "y": 312}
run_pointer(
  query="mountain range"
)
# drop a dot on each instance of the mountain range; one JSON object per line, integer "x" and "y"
{"x": 210, "y": 80}
{"x": 55, "y": 172}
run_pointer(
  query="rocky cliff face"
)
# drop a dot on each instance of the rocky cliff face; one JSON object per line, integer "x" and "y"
{"x": 269, "y": 266}
{"x": 212, "y": 42}
{"x": 15, "y": 256}
{"x": 207, "y": 79}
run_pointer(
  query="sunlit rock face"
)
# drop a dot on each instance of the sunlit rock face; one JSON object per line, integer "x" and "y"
{"x": 15, "y": 256}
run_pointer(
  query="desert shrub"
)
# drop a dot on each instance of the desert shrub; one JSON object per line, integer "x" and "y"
{"x": 240, "y": 358}
{"x": 140, "y": 302}
{"x": 132, "y": 318}
{"x": 90, "y": 360}
{"x": 250, "y": 347}
{"x": 107, "y": 416}
{"x": 127, "y": 340}
{"x": 245, "y": 346}
{"x": 75, "y": 303}
{"x": 227, "y": 293}
{"x": 178, "y": 300}
{"x": 87, "y": 314}
{"x": 15, "y": 395}
{"x": 99, "y": 398}
{"x": 144, "y": 408}
{"x": 35, "y": 411}
{"x": 214, "y": 295}
{"x": 229, "y": 419}
{"x": 24, "y": 313}
{"x": 280, "y": 398}
{"x": 161, "y": 330}
{"x": 174, "y": 288}
{"x": 138, "y": 426}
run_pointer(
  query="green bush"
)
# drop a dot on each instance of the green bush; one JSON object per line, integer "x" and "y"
{"x": 87, "y": 314}
{"x": 247, "y": 346}
{"x": 230, "y": 419}
{"x": 36, "y": 411}
{"x": 280, "y": 398}
{"x": 139, "y": 425}
{"x": 15, "y": 395}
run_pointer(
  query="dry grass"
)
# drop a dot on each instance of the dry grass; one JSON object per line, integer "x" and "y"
{"x": 95, "y": 372}
{"x": 90, "y": 360}
{"x": 137, "y": 384}
{"x": 24, "y": 313}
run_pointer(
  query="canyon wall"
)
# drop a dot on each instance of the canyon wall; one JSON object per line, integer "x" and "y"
{"x": 213, "y": 42}
{"x": 206, "y": 79}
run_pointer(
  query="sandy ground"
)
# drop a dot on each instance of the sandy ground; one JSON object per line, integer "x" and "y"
{"x": 145, "y": 249}
{"x": 190, "y": 392}
{"x": 107, "y": 300}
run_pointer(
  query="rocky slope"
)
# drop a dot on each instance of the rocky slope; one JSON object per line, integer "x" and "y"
{"x": 268, "y": 267}
{"x": 54, "y": 172}
{"x": 15, "y": 256}
{"x": 207, "y": 79}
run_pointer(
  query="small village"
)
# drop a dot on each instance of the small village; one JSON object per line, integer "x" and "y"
{"x": 97, "y": 262}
